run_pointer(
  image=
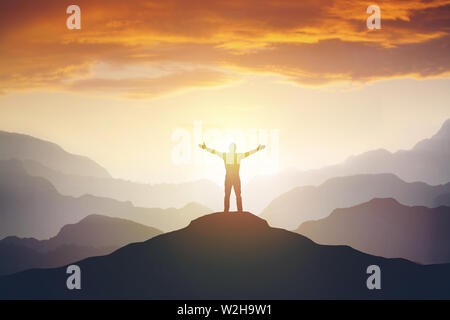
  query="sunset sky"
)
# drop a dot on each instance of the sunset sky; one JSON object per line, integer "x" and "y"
{"x": 138, "y": 72}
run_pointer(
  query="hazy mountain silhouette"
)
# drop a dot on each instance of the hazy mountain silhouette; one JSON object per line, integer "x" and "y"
{"x": 32, "y": 207}
{"x": 427, "y": 161}
{"x": 94, "y": 235}
{"x": 75, "y": 175}
{"x": 24, "y": 147}
{"x": 310, "y": 203}
{"x": 144, "y": 195}
{"x": 94, "y": 230}
{"x": 443, "y": 199}
{"x": 232, "y": 256}
{"x": 384, "y": 227}
{"x": 15, "y": 258}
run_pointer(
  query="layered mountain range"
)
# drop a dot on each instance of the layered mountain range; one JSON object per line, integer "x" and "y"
{"x": 232, "y": 256}
{"x": 94, "y": 235}
{"x": 32, "y": 207}
{"x": 387, "y": 228}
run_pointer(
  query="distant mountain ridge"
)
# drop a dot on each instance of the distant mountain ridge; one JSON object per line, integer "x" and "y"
{"x": 143, "y": 195}
{"x": 232, "y": 256}
{"x": 32, "y": 207}
{"x": 92, "y": 236}
{"x": 386, "y": 228}
{"x": 75, "y": 175}
{"x": 24, "y": 147}
{"x": 100, "y": 231}
{"x": 428, "y": 161}
{"x": 315, "y": 202}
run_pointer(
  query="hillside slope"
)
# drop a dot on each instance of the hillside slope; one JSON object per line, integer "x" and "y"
{"x": 315, "y": 202}
{"x": 427, "y": 161}
{"x": 232, "y": 256}
{"x": 32, "y": 207}
{"x": 24, "y": 147}
{"x": 163, "y": 195}
{"x": 93, "y": 236}
{"x": 384, "y": 227}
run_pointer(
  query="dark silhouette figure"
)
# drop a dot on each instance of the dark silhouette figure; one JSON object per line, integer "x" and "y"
{"x": 232, "y": 162}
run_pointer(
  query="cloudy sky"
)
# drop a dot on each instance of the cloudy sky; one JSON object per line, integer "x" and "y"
{"x": 306, "y": 77}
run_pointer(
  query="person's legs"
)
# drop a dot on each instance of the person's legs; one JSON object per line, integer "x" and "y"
{"x": 237, "y": 192}
{"x": 226, "y": 201}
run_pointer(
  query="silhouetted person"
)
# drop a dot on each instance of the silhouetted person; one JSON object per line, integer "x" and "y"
{"x": 232, "y": 162}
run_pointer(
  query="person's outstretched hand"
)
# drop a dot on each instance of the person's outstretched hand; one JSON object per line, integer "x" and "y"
{"x": 203, "y": 146}
{"x": 261, "y": 147}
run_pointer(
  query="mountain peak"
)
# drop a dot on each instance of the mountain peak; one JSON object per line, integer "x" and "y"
{"x": 103, "y": 231}
{"x": 437, "y": 143}
{"x": 228, "y": 229}
{"x": 444, "y": 131}
{"x": 25, "y": 147}
{"x": 374, "y": 206}
{"x": 380, "y": 201}
{"x": 229, "y": 221}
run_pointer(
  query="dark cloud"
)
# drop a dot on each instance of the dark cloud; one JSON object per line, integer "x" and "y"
{"x": 337, "y": 60}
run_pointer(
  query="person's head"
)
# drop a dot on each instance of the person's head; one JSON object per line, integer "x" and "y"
{"x": 232, "y": 147}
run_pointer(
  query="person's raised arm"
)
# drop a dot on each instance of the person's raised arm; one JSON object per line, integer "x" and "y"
{"x": 204, "y": 147}
{"x": 248, "y": 153}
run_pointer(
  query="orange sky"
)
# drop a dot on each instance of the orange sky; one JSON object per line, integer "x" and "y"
{"x": 196, "y": 43}
{"x": 181, "y": 61}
